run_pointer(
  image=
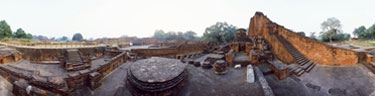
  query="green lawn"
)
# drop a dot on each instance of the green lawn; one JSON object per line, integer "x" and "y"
{"x": 362, "y": 43}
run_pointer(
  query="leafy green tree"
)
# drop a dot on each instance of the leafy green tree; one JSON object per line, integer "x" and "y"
{"x": 29, "y": 36}
{"x": 220, "y": 32}
{"x": 190, "y": 35}
{"x": 301, "y": 33}
{"x": 371, "y": 32}
{"x": 77, "y": 37}
{"x": 331, "y": 27}
{"x": 342, "y": 37}
{"x": 180, "y": 35}
{"x": 40, "y": 37}
{"x": 20, "y": 33}
{"x": 5, "y": 30}
{"x": 171, "y": 35}
{"x": 361, "y": 32}
{"x": 63, "y": 38}
{"x": 159, "y": 34}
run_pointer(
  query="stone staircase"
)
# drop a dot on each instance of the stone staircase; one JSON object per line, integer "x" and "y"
{"x": 75, "y": 60}
{"x": 303, "y": 64}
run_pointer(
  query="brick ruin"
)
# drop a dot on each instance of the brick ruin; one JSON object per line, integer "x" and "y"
{"x": 80, "y": 73}
{"x": 73, "y": 61}
{"x": 8, "y": 55}
{"x": 165, "y": 68}
{"x": 284, "y": 41}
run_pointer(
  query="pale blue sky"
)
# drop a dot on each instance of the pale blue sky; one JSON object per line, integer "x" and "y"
{"x": 113, "y": 18}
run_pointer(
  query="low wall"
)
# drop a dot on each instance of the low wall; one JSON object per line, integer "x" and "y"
{"x": 182, "y": 49}
{"x": 312, "y": 49}
{"x": 52, "y": 54}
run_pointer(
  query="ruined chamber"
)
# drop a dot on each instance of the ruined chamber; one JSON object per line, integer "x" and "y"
{"x": 156, "y": 76}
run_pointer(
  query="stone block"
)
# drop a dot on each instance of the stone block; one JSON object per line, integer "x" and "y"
{"x": 95, "y": 80}
{"x": 250, "y": 74}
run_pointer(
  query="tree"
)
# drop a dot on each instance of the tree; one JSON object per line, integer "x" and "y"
{"x": 20, "y": 33}
{"x": 180, "y": 35}
{"x": 5, "y": 30}
{"x": 360, "y": 32}
{"x": 371, "y": 31}
{"x": 159, "y": 34}
{"x": 63, "y": 38}
{"x": 220, "y": 32}
{"x": 171, "y": 35}
{"x": 301, "y": 33}
{"x": 190, "y": 35}
{"x": 366, "y": 34}
{"x": 40, "y": 37}
{"x": 331, "y": 27}
{"x": 77, "y": 37}
{"x": 29, "y": 36}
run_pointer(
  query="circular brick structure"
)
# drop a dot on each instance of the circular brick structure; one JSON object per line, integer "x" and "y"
{"x": 206, "y": 65}
{"x": 156, "y": 76}
{"x": 197, "y": 63}
{"x": 220, "y": 67}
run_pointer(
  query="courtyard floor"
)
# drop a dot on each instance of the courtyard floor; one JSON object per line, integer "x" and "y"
{"x": 355, "y": 80}
{"x": 201, "y": 82}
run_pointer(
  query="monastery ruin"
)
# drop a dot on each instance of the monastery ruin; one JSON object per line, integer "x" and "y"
{"x": 265, "y": 60}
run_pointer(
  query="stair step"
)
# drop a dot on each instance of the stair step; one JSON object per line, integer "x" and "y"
{"x": 293, "y": 69}
{"x": 298, "y": 70}
{"x": 76, "y": 68}
{"x": 307, "y": 65}
{"x": 77, "y": 64}
{"x": 310, "y": 62}
{"x": 300, "y": 73}
{"x": 311, "y": 67}
{"x": 304, "y": 62}
{"x": 299, "y": 57}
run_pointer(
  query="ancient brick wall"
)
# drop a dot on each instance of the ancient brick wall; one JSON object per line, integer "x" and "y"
{"x": 259, "y": 26}
{"x": 50, "y": 54}
{"x": 74, "y": 81}
{"x": 312, "y": 49}
{"x": 182, "y": 49}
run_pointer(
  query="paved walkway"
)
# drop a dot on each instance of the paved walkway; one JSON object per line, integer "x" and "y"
{"x": 354, "y": 80}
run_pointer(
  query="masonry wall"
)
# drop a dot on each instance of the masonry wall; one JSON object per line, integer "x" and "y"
{"x": 73, "y": 81}
{"x": 50, "y": 54}
{"x": 312, "y": 49}
{"x": 182, "y": 49}
{"x": 259, "y": 26}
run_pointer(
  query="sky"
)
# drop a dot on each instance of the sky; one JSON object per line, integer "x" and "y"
{"x": 114, "y": 18}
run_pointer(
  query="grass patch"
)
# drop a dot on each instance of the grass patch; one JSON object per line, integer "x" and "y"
{"x": 362, "y": 43}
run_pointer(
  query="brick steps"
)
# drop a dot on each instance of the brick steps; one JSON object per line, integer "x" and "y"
{"x": 77, "y": 68}
{"x": 303, "y": 64}
{"x": 296, "y": 70}
{"x": 74, "y": 58}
